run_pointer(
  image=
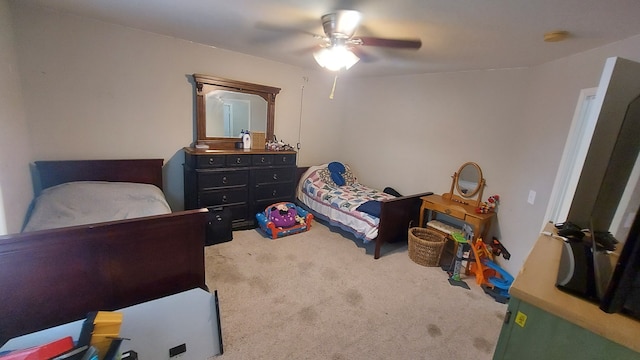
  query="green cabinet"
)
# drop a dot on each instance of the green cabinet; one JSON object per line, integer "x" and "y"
{"x": 532, "y": 333}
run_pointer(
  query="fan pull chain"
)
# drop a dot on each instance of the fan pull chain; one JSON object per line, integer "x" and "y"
{"x": 333, "y": 89}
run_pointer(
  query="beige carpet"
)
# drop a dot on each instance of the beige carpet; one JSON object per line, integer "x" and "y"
{"x": 319, "y": 295}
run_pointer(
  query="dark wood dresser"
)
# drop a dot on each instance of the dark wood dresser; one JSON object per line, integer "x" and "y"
{"x": 244, "y": 181}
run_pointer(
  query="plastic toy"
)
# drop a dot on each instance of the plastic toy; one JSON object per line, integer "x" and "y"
{"x": 282, "y": 219}
{"x": 480, "y": 254}
{"x": 489, "y": 205}
{"x": 494, "y": 280}
{"x": 454, "y": 276}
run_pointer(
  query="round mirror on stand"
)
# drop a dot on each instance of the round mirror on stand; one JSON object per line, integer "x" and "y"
{"x": 467, "y": 185}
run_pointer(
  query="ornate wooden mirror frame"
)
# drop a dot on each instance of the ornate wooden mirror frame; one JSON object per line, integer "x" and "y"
{"x": 205, "y": 84}
{"x": 463, "y": 180}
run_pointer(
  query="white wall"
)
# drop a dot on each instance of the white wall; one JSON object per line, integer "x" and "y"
{"x": 103, "y": 91}
{"x": 413, "y": 132}
{"x": 15, "y": 154}
{"x": 99, "y": 90}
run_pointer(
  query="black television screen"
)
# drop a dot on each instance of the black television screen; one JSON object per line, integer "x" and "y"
{"x": 623, "y": 292}
{"x": 607, "y": 196}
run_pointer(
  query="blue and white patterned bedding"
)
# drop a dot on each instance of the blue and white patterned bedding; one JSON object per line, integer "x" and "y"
{"x": 338, "y": 204}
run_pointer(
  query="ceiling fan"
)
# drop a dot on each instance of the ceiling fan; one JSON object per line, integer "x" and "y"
{"x": 340, "y": 48}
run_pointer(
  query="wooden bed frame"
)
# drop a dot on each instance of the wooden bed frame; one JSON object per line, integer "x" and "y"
{"x": 51, "y": 277}
{"x": 396, "y": 216}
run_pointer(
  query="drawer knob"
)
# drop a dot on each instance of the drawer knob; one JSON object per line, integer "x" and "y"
{"x": 210, "y": 161}
{"x": 275, "y": 176}
{"x": 274, "y": 193}
{"x": 262, "y": 159}
{"x": 237, "y": 160}
{"x": 224, "y": 180}
{"x": 447, "y": 211}
{"x": 284, "y": 159}
{"x": 224, "y": 198}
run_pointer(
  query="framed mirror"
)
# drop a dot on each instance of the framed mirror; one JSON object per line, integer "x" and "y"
{"x": 226, "y": 107}
{"x": 467, "y": 185}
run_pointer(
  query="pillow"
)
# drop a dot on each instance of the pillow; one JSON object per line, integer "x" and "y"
{"x": 337, "y": 169}
{"x": 325, "y": 177}
{"x": 349, "y": 178}
{"x": 338, "y": 179}
{"x": 371, "y": 207}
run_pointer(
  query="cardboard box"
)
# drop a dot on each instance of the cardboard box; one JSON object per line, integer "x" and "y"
{"x": 258, "y": 140}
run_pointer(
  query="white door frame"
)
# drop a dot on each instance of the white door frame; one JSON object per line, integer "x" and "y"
{"x": 575, "y": 152}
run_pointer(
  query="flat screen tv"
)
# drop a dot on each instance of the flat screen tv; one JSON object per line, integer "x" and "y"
{"x": 623, "y": 291}
{"x": 607, "y": 197}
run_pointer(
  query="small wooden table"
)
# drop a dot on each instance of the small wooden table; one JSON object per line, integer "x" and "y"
{"x": 480, "y": 223}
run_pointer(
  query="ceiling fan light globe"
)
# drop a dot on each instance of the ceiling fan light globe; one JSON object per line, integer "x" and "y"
{"x": 335, "y": 58}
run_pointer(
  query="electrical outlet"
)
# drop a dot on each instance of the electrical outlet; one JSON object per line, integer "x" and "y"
{"x": 532, "y": 197}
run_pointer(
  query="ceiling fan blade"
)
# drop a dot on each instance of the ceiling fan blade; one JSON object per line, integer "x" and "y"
{"x": 363, "y": 55}
{"x": 391, "y": 43}
{"x": 285, "y": 30}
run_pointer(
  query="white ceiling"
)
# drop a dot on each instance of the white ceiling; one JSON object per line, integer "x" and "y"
{"x": 457, "y": 35}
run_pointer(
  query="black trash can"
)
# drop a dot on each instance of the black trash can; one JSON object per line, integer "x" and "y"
{"x": 218, "y": 226}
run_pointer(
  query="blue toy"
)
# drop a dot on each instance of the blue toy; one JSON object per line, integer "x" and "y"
{"x": 498, "y": 287}
{"x": 284, "y": 218}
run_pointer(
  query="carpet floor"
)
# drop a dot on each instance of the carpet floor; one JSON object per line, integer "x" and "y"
{"x": 321, "y": 295}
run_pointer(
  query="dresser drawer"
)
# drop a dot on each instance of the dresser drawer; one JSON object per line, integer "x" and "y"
{"x": 273, "y": 191}
{"x": 209, "y": 161}
{"x": 447, "y": 210}
{"x": 238, "y": 160}
{"x": 216, "y": 179}
{"x": 284, "y": 159}
{"x": 273, "y": 175}
{"x": 223, "y": 197}
{"x": 261, "y": 159}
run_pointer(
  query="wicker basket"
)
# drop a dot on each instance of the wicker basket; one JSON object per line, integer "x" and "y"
{"x": 425, "y": 246}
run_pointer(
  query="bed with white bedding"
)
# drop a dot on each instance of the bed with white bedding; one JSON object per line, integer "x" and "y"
{"x": 367, "y": 213}
{"x": 87, "y": 202}
{"x": 123, "y": 262}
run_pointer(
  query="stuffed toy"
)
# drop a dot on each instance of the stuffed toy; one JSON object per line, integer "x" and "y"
{"x": 283, "y": 216}
{"x": 489, "y": 205}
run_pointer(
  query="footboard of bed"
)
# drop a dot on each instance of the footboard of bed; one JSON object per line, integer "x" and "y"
{"x": 396, "y": 215}
{"x": 56, "y": 276}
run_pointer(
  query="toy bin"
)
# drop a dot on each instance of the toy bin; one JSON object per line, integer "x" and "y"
{"x": 283, "y": 219}
{"x": 425, "y": 246}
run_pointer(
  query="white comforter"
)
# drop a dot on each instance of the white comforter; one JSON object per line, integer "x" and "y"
{"x": 87, "y": 202}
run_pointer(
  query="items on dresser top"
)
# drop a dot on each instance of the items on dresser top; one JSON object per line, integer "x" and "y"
{"x": 243, "y": 181}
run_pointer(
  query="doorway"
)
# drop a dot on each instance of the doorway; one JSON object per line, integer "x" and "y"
{"x": 573, "y": 156}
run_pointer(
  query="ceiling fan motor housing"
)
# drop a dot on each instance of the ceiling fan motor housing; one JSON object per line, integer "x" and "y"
{"x": 342, "y": 24}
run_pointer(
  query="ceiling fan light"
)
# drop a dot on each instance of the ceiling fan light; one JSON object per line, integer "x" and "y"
{"x": 335, "y": 58}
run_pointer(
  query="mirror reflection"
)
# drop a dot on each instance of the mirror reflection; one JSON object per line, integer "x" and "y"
{"x": 229, "y": 112}
{"x": 468, "y": 180}
{"x": 467, "y": 185}
{"x": 225, "y": 107}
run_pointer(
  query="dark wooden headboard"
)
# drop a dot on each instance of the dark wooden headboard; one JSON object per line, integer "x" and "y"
{"x": 51, "y": 173}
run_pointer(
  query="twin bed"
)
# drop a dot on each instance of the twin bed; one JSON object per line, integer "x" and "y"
{"x": 366, "y": 213}
{"x": 59, "y": 272}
